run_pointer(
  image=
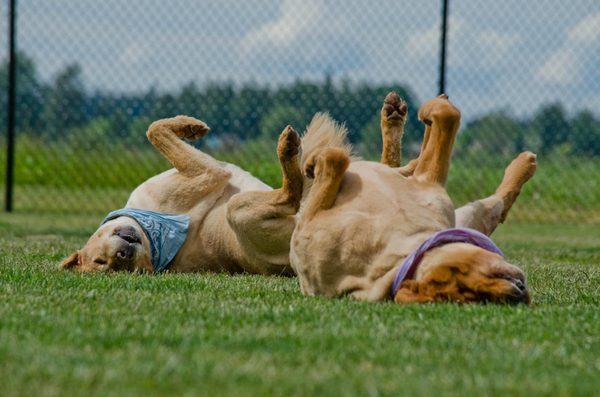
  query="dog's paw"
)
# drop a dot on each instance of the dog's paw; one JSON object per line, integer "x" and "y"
{"x": 289, "y": 142}
{"x": 309, "y": 166}
{"x": 520, "y": 170}
{"x": 394, "y": 109}
{"x": 329, "y": 163}
{"x": 189, "y": 128}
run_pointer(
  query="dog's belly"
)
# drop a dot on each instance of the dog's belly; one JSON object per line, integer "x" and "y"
{"x": 378, "y": 218}
{"x": 210, "y": 244}
{"x": 147, "y": 195}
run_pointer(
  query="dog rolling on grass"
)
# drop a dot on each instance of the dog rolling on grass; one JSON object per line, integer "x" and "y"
{"x": 374, "y": 231}
{"x": 377, "y": 231}
{"x": 202, "y": 215}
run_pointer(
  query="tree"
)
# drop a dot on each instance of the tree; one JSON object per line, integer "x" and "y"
{"x": 66, "y": 103}
{"x": 495, "y": 132}
{"x": 247, "y": 108}
{"x": 279, "y": 117}
{"x": 585, "y": 134}
{"x": 551, "y": 124}
{"x": 30, "y": 93}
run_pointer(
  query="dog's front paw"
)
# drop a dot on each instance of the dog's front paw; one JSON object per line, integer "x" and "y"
{"x": 289, "y": 143}
{"x": 329, "y": 162}
{"x": 309, "y": 166}
{"x": 394, "y": 109}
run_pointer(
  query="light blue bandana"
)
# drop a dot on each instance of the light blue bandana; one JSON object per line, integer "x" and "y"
{"x": 165, "y": 232}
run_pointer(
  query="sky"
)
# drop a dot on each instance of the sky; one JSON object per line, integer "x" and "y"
{"x": 511, "y": 55}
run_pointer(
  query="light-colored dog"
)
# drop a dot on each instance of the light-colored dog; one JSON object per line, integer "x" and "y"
{"x": 360, "y": 220}
{"x": 236, "y": 222}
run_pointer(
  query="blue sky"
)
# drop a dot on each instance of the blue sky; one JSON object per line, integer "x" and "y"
{"x": 511, "y": 54}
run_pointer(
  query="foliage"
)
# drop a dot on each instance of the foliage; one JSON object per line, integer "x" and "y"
{"x": 550, "y": 122}
{"x": 30, "y": 94}
{"x": 497, "y": 132}
{"x": 246, "y": 112}
{"x": 279, "y": 117}
{"x": 585, "y": 134}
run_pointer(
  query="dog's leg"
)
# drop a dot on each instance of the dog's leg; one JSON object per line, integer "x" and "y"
{"x": 444, "y": 120}
{"x": 393, "y": 115}
{"x": 166, "y": 136}
{"x": 290, "y": 193}
{"x": 327, "y": 167}
{"x": 198, "y": 173}
{"x": 288, "y": 152}
{"x": 264, "y": 220}
{"x": 409, "y": 169}
{"x": 485, "y": 215}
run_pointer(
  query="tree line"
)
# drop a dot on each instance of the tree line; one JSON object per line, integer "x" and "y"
{"x": 63, "y": 109}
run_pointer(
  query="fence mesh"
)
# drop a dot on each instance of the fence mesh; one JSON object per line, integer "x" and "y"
{"x": 92, "y": 75}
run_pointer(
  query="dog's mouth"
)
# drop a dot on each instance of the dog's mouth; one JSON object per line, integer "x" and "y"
{"x": 131, "y": 238}
{"x": 519, "y": 292}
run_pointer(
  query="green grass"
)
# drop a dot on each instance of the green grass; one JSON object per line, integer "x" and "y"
{"x": 68, "y": 334}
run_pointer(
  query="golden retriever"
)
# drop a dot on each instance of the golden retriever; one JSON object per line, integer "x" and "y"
{"x": 222, "y": 218}
{"x": 360, "y": 221}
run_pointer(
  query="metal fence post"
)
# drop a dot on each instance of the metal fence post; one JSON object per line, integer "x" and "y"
{"x": 12, "y": 83}
{"x": 443, "y": 32}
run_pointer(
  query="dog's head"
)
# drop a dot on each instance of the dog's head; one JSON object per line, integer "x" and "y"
{"x": 464, "y": 273}
{"x": 119, "y": 244}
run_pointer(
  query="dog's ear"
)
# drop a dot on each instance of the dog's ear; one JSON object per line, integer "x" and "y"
{"x": 71, "y": 261}
{"x": 410, "y": 292}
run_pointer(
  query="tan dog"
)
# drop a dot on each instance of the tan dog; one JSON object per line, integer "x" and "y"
{"x": 236, "y": 222}
{"x": 359, "y": 220}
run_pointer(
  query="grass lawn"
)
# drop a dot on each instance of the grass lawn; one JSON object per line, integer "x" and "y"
{"x": 68, "y": 334}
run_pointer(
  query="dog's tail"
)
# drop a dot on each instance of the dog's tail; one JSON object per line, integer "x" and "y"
{"x": 321, "y": 133}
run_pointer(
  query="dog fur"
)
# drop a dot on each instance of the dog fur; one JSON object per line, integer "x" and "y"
{"x": 237, "y": 223}
{"x": 360, "y": 219}
{"x": 350, "y": 222}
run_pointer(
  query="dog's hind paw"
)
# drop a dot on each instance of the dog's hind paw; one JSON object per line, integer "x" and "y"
{"x": 188, "y": 127}
{"x": 394, "y": 108}
{"x": 518, "y": 172}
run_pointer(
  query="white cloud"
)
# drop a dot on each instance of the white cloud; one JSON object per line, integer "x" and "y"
{"x": 487, "y": 46}
{"x": 305, "y": 40}
{"x": 570, "y": 62}
{"x": 424, "y": 43}
{"x": 560, "y": 68}
{"x": 297, "y": 19}
{"x": 134, "y": 55}
{"x": 525, "y": 53}
{"x": 587, "y": 30}
{"x": 502, "y": 44}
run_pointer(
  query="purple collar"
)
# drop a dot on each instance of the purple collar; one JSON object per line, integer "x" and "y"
{"x": 448, "y": 236}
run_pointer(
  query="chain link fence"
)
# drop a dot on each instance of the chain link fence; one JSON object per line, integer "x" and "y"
{"x": 91, "y": 76}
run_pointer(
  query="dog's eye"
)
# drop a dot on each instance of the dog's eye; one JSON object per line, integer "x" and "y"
{"x": 99, "y": 261}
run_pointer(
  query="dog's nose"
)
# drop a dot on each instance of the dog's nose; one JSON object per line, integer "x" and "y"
{"x": 520, "y": 285}
{"x": 520, "y": 294}
{"x": 126, "y": 252}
